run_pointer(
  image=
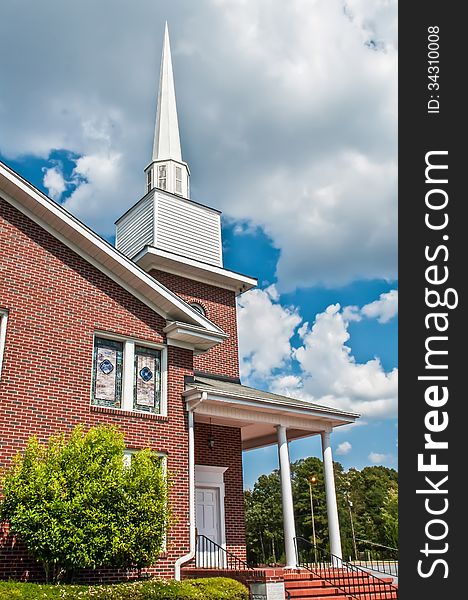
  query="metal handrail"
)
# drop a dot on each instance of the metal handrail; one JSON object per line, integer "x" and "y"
{"x": 210, "y": 555}
{"x": 350, "y": 579}
{"x": 375, "y": 544}
{"x": 377, "y": 557}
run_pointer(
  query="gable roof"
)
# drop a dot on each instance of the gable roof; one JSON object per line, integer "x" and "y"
{"x": 55, "y": 219}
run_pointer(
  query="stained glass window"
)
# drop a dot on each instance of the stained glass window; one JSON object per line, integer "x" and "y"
{"x": 147, "y": 388}
{"x": 107, "y": 373}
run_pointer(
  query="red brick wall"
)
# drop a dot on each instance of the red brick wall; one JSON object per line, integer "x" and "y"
{"x": 227, "y": 452}
{"x": 55, "y": 302}
{"x": 220, "y": 306}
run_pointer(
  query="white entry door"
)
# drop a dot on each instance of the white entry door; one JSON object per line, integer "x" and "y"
{"x": 209, "y": 555}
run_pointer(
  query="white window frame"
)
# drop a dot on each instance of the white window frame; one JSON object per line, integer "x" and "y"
{"x": 178, "y": 180}
{"x": 129, "y": 452}
{"x": 3, "y": 329}
{"x": 149, "y": 180}
{"x": 128, "y": 372}
{"x": 162, "y": 178}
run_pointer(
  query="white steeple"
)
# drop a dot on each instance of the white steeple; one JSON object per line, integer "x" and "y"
{"x": 166, "y": 132}
{"x": 167, "y": 171}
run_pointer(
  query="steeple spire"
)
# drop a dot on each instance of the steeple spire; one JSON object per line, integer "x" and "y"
{"x": 167, "y": 171}
{"x": 166, "y": 133}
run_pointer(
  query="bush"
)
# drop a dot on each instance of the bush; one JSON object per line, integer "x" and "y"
{"x": 195, "y": 589}
{"x": 75, "y": 504}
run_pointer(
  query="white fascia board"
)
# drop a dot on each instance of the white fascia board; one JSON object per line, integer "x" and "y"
{"x": 78, "y": 237}
{"x": 155, "y": 258}
{"x": 197, "y": 337}
{"x": 192, "y": 394}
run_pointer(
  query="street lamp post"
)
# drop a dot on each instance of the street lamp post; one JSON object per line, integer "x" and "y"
{"x": 313, "y": 480}
{"x": 350, "y": 505}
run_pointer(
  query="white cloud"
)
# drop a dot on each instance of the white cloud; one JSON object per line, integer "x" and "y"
{"x": 331, "y": 375}
{"x": 383, "y": 309}
{"x": 343, "y": 448}
{"x": 377, "y": 458}
{"x": 287, "y": 385}
{"x": 322, "y": 369}
{"x": 352, "y": 313}
{"x": 300, "y": 139}
{"x": 55, "y": 183}
{"x": 99, "y": 180}
{"x": 265, "y": 330}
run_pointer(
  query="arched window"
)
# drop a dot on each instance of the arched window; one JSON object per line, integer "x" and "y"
{"x": 199, "y": 308}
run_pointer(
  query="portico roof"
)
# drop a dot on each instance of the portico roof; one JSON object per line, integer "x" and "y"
{"x": 257, "y": 413}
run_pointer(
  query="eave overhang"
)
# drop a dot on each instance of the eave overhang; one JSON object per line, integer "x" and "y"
{"x": 257, "y": 418}
{"x": 154, "y": 258}
{"x": 184, "y": 335}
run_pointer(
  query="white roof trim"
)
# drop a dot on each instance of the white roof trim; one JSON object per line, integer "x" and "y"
{"x": 151, "y": 257}
{"x": 191, "y": 335}
{"x": 77, "y": 236}
{"x": 195, "y": 395}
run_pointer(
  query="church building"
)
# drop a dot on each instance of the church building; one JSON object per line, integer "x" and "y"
{"x": 143, "y": 335}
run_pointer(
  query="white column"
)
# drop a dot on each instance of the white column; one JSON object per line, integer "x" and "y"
{"x": 287, "y": 498}
{"x": 332, "y": 507}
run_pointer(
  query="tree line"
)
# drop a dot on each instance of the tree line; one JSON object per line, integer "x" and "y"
{"x": 367, "y": 500}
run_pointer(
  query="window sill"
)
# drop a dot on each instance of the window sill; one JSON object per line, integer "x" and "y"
{"x": 128, "y": 413}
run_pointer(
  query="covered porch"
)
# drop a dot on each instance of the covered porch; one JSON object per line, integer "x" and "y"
{"x": 218, "y": 407}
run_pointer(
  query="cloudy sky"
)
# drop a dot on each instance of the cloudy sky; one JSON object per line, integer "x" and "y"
{"x": 288, "y": 122}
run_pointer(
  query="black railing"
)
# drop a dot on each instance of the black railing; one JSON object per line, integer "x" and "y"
{"x": 210, "y": 555}
{"x": 376, "y": 557}
{"x": 350, "y": 579}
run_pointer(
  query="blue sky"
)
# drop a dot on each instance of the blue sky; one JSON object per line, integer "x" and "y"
{"x": 287, "y": 116}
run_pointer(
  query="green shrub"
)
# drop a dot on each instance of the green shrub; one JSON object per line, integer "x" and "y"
{"x": 195, "y": 589}
{"x": 75, "y": 504}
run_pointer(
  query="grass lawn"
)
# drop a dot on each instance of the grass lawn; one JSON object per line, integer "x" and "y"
{"x": 216, "y": 588}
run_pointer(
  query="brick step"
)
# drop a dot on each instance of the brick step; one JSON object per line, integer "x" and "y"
{"x": 364, "y": 589}
{"x": 315, "y": 593}
{"x": 305, "y": 583}
{"x": 335, "y": 596}
{"x": 304, "y": 575}
{"x": 360, "y": 579}
{"x": 331, "y": 592}
{"x": 377, "y": 596}
{"x": 339, "y": 595}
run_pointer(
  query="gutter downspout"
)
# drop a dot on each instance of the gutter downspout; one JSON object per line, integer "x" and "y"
{"x": 191, "y": 468}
